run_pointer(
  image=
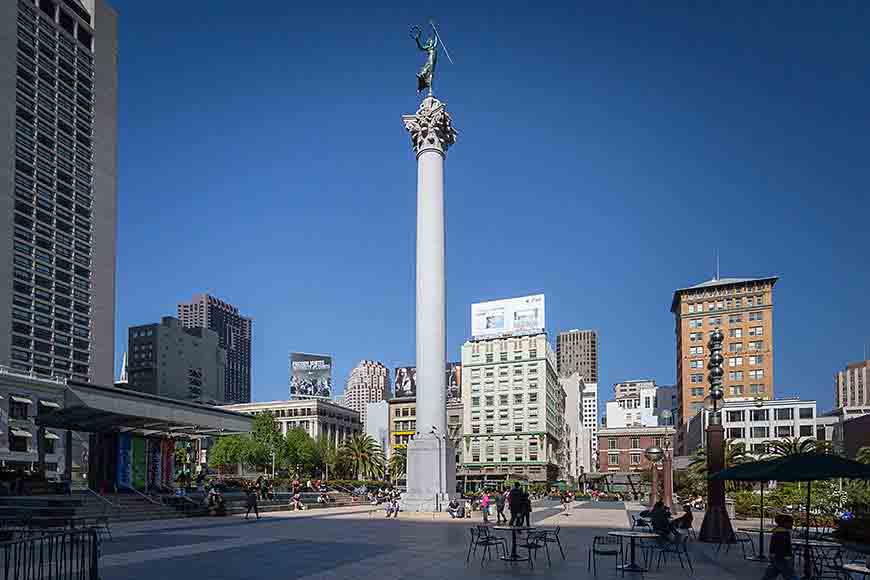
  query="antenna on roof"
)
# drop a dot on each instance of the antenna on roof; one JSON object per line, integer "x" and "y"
{"x": 716, "y": 259}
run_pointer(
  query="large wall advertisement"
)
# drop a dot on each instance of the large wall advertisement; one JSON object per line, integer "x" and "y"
{"x": 405, "y": 383}
{"x": 524, "y": 315}
{"x": 310, "y": 375}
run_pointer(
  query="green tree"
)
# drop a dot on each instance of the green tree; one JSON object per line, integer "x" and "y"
{"x": 364, "y": 456}
{"x": 228, "y": 451}
{"x": 266, "y": 441}
{"x": 398, "y": 464}
{"x": 696, "y": 476}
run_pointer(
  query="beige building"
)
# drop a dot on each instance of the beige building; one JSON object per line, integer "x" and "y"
{"x": 742, "y": 308}
{"x": 514, "y": 411}
{"x": 852, "y": 388}
{"x": 577, "y": 352}
{"x": 319, "y": 418}
{"x": 369, "y": 382}
{"x": 403, "y": 421}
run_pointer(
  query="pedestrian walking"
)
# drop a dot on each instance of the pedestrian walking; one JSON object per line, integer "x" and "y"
{"x": 252, "y": 503}
{"x": 484, "y": 506}
{"x": 500, "y": 500}
{"x": 514, "y": 503}
{"x": 781, "y": 556}
{"x": 525, "y": 510}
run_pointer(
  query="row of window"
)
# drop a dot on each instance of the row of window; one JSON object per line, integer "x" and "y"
{"x": 726, "y": 304}
{"x": 785, "y": 414}
{"x": 764, "y": 432}
{"x": 518, "y": 399}
{"x": 733, "y": 390}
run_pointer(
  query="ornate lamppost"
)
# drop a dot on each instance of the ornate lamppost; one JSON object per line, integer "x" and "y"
{"x": 654, "y": 455}
{"x": 717, "y": 525}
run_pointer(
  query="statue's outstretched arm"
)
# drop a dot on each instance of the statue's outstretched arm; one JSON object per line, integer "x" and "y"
{"x": 417, "y": 40}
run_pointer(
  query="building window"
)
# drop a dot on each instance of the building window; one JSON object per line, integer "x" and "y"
{"x": 533, "y": 397}
{"x": 611, "y": 443}
{"x": 18, "y": 440}
{"x": 635, "y": 442}
{"x": 758, "y": 415}
{"x": 736, "y": 390}
{"x": 735, "y": 361}
{"x": 696, "y": 323}
{"x": 756, "y": 345}
{"x": 785, "y": 430}
{"x": 806, "y": 431}
{"x": 697, "y": 378}
{"x": 736, "y": 333}
{"x": 759, "y": 448}
{"x": 19, "y": 407}
{"x": 756, "y": 374}
{"x": 735, "y": 319}
{"x": 735, "y": 375}
{"x": 634, "y": 458}
{"x": 735, "y": 432}
{"x": 696, "y": 350}
{"x": 756, "y": 316}
{"x": 696, "y": 364}
{"x": 697, "y": 391}
{"x": 805, "y": 412}
{"x": 693, "y": 336}
{"x": 759, "y": 432}
{"x": 613, "y": 459}
{"x": 756, "y": 388}
{"x": 735, "y": 347}
{"x": 756, "y": 331}
{"x": 735, "y": 416}
{"x": 756, "y": 359}
{"x": 475, "y": 401}
{"x": 783, "y": 414}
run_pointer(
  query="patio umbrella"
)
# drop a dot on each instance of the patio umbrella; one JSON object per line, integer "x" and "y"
{"x": 806, "y": 467}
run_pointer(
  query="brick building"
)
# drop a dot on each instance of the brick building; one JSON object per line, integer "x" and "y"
{"x": 623, "y": 449}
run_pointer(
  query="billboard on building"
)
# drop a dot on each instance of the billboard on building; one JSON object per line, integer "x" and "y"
{"x": 524, "y": 315}
{"x": 454, "y": 381}
{"x": 310, "y": 375}
{"x": 405, "y": 383}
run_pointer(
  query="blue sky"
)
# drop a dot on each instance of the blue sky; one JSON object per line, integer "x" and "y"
{"x": 605, "y": 152}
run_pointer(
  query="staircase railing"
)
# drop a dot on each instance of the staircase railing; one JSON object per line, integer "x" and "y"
{"x": 102, "y": 498}
{"x": 145, "y": 497}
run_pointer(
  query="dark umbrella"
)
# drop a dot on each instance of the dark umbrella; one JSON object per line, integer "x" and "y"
{"x": 807, "y": 467}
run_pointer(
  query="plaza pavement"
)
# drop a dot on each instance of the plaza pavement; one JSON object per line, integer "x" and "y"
{"x": 357, "y": 542}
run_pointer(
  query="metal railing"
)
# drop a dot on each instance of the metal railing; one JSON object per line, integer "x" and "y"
{"x": 109, "y": 504}
{"x": 62, "y": 556}
{"x": 145, "y": 497}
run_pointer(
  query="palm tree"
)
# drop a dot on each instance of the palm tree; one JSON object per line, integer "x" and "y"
{"x": 364, "y": 456}
{"x": 863, "y": 455}
{"x": 398, "y": 463}
{"x": 793, "y": 446}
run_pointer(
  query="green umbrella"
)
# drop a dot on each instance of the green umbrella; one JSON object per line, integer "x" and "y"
{"x": 807, "y": 467}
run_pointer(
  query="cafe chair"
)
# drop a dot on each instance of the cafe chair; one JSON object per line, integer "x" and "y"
{"x": 641, "y": 523}
{"x": 552, "y": 537}
{"x": 604, "y": 546}
{"x": 533, "y": 542}
{"x": 679, "y": 548}
{"x": 481, "y": 537}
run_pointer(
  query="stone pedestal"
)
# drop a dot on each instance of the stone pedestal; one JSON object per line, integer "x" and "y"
{"x": 431, "y": 460}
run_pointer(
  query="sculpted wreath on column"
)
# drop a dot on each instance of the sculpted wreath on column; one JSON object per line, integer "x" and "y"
{"x": 431, "y": 126}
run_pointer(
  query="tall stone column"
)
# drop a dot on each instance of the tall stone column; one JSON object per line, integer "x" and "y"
{"x": 431, "y": 460}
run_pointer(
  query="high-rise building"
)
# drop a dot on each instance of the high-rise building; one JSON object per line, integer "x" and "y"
{"x": 514, "y": 410}
{"x": 172, "y": 361}
{"x": 58, "y": 160}
{"x": 369, "y": 382}
{"x": 581, "y": 416}
{"x": 742, "y": 308}
{"x": 577, "y": 352}
{"x": 234, "y": 333}
{"x": 852, "y": 388}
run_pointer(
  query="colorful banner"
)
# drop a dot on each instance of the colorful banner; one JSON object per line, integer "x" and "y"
{"x": 154, "y": 462}
{"x": 140, "y": 470}
{"x": 168, "y": 462}
{"x": 125, "y": 460}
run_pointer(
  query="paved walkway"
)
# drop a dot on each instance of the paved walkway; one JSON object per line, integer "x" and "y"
{"x": 353, "y": 543}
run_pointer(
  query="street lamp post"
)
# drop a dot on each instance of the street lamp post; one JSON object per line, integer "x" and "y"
{"x": 717, "y": 525}
{"x": 654, "y": 455}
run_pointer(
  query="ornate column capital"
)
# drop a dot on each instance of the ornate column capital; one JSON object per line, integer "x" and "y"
{"x": 431, "y": 127}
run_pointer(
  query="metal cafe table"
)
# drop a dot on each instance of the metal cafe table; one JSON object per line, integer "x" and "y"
{"x": 759, "y": 557}
{"x": 514, "y": 557}
{"x": 633, "y": 566}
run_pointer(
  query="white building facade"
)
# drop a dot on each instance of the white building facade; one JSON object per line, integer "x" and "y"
{"x": 756, "y": 422}
{"x": 581, "y": 418}
{"x": 514, "y": 410}
{"x": 319, "y": 418}
{"x": 377, "y": 424}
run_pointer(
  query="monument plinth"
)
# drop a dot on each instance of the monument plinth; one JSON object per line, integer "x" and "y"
{"x": 431, "y": 462}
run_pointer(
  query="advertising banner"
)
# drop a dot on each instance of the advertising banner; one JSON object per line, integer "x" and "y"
{"x": 524, "y": 315}
{"x": 168, "y": 462}
{"x": 310, "y": 375}
{"x": 405, "y": 383}
{"x": 140, "y": 471}
{"x": 125, "y": 460}
{"x": 454, "y": 381}
{"x": 154, "y": 462}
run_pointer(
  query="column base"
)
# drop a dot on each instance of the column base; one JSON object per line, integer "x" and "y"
{"x": 716, "y": 528}
{"x": 431, "y": 474}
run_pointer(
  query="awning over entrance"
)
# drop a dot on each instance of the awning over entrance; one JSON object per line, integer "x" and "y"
{"x": 97, "y": 409}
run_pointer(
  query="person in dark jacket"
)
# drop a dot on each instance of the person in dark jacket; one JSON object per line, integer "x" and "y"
{"x": 515, "y": 502}
{"x": 781, "y": 557}
{"x": 525, "y": 510}
{"x": 252, "y": 503}
{"x": 500, "y": 499}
